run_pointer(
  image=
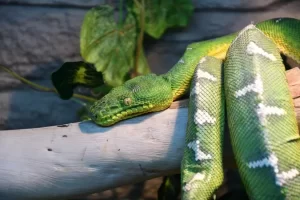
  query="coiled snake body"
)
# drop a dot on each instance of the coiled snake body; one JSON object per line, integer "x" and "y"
{"x": 243, "y": 74}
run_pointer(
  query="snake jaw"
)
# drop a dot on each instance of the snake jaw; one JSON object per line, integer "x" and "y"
{"x": 114, "y": 114}
{"x": 137, "y": 96}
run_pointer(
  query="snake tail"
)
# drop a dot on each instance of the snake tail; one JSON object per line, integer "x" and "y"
{"x": 202, "y": 168}
{"x": 261, "y": 117}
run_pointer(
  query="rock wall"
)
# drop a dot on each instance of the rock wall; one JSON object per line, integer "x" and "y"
{"x": 37, "y": 36}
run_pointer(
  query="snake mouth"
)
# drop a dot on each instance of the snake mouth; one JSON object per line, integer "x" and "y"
{"x": 109, "y": 115}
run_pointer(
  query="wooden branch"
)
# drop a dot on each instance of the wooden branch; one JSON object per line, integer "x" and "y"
{"x": 78, "y": 158}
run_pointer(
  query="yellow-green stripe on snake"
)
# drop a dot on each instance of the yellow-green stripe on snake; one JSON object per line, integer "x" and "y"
{"x": 259, "y": 109}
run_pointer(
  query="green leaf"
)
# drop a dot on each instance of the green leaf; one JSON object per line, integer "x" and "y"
{"x": 170, "y": 188}
{"x": 179, "y": 13}
{"x": 71, "y": 74}
{"x": 163, "y": 14}
{"x": 143, "y": 67}
{"x": 109, "y": 45}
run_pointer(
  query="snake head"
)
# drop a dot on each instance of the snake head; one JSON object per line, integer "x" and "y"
{"x": 137, "y": 96}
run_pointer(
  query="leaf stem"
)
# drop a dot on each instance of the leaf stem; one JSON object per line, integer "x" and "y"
{"x": 139, "y": 46}
{"x": 43, "y": 88}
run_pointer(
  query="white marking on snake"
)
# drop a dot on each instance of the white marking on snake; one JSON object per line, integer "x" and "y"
{"x": 252, "y": 49}
{"x": 263, "y": 111}
{"x": 202, "y": 60}
{"x": 190, "y": 185}
{"x": 196, "y": 89}
{"x": 278, "y": 20}
{"x": 136, "y": 88}
{"x": 189, "y": 48}
{"x": 257, "y": 87}
{"x": 284, "y": 176}
{"x": 199, "y": 155}
{"x": 206, "y": 75}
{"x": 266, "y": 138}
{"x": 181, "y": 61}
{"x": 202, "y": 117}
{"x": 272, "y": 161}
{"x": 250, "y": 26}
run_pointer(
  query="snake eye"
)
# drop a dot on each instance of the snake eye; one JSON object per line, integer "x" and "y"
{"x": 127, "y": 101}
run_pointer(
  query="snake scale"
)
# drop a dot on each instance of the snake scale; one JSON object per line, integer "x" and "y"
{"x": 240, "y": 75}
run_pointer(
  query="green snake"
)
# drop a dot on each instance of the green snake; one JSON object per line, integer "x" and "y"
{"x": 242, "y": 76}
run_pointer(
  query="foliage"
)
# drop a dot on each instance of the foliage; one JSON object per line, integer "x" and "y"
{"x": 107, "y": 45}
{"x": 163, "y": 14}
{"x": 115, "y": 47}
{"x": 71, "y": 74}
{"x": 170, "y": 188}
